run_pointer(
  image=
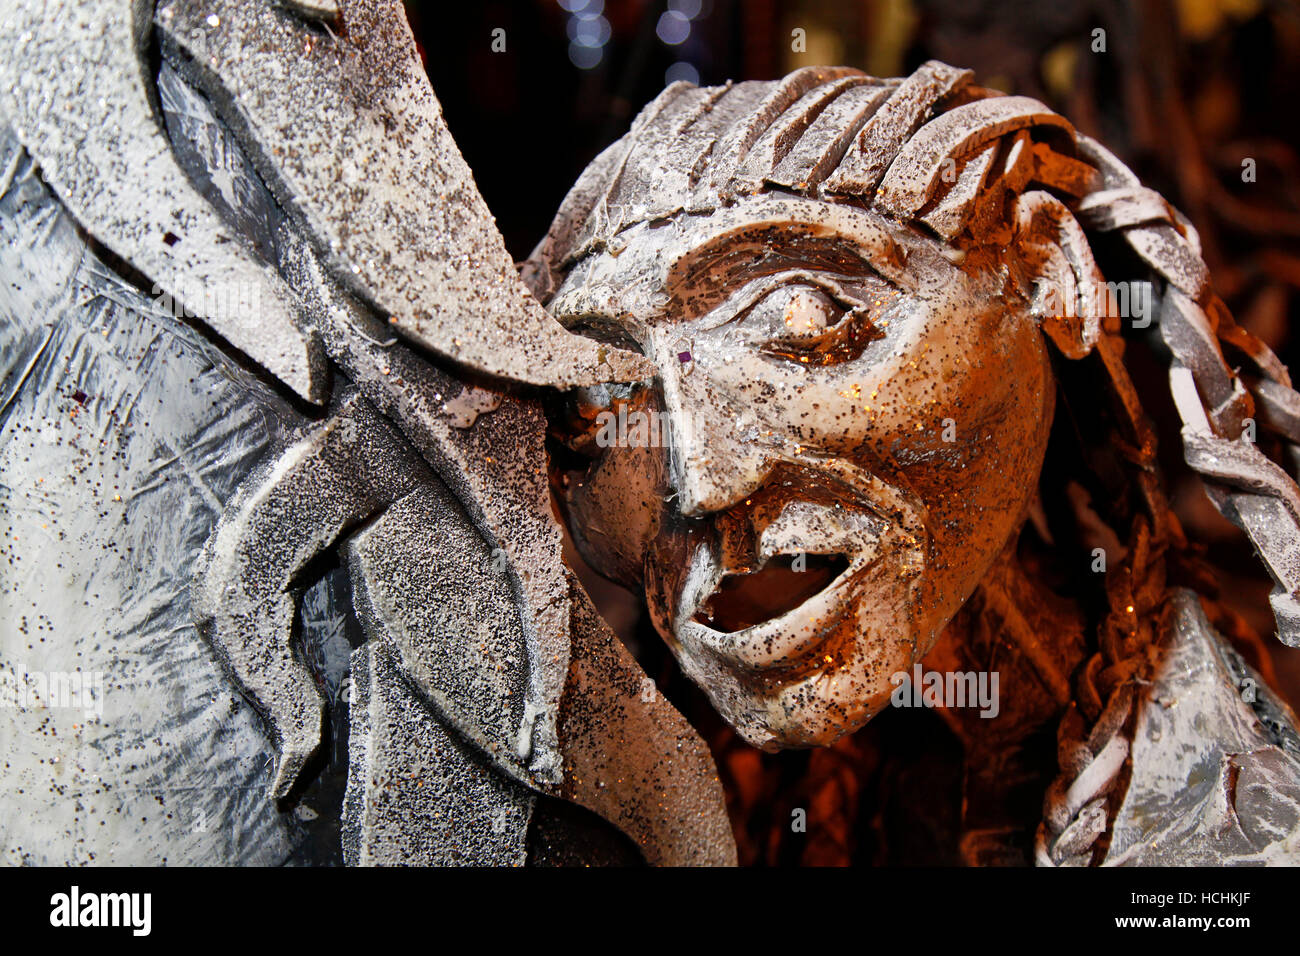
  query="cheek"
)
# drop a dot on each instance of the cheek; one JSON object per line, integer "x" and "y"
{"x": 617, "y": 510}
{"x": 946, "y": 383}
{"x": 981, "y": 402}
{"x": 978, "y": 486}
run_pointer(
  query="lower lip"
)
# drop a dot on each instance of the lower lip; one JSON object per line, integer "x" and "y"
{"x": 769, "y": 645}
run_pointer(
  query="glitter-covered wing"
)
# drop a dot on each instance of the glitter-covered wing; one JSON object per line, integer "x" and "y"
{"x": 73, "y": 86}
{"x": 347, "y": 132}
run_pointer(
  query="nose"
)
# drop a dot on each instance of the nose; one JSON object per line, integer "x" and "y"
{"x": 717, "y": 452}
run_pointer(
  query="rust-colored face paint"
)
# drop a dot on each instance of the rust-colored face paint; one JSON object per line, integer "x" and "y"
{"x": 853, "y": 436}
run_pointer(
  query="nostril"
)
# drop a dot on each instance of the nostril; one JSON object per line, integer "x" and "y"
{"x": 701, "y": 489}
{"x": 715, "y": 475}
{"x": 692, "y": 491}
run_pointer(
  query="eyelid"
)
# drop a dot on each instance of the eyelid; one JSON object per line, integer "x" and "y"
{"x": 754, "y": 292}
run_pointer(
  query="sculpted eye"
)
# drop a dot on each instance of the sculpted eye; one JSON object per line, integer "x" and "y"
{"x": 803, "y": 323}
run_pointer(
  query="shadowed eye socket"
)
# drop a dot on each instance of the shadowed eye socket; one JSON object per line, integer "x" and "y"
{"x": 602, "y": 329}
{"x": 805, "y": 323}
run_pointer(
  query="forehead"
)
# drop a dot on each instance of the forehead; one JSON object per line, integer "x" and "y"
{"x": 655, "y": 269}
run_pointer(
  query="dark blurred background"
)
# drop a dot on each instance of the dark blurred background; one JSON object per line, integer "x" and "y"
{"x": 1183, "y": 91}
{"x": 1197, "y": 96}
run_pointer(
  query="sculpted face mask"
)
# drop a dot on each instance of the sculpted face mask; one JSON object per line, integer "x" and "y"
{"x": 841, "y": 450}
{"x": 845, "y": 412}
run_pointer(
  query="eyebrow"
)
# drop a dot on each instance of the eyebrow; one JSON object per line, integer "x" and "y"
{"x": 882, "y": 239}
{"x": 764, "y": 235}
{"x": 707, "y": 277}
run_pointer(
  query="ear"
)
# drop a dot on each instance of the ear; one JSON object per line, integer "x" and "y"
{"x": 1070, "y": 297}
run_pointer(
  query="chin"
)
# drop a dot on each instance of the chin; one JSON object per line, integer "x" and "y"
{"x": 811, "y": 710}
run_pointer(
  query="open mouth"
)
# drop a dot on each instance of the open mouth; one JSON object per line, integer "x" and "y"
{"x": 785, "y": 582}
